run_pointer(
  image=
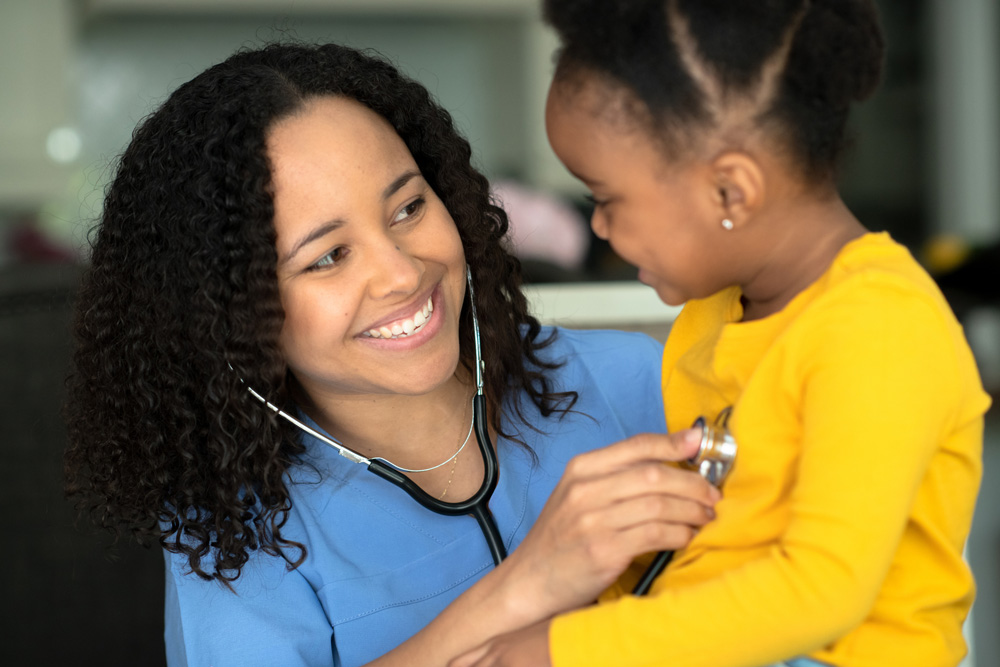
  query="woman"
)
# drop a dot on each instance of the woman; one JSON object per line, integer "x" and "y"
{"x": 299, "y": 222}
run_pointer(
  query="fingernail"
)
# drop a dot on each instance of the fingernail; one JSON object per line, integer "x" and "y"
{"x": 710, "y": 512}
{"x": 692, "y": 436}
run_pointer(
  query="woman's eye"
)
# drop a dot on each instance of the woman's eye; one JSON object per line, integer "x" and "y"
{"x": 410, "y": 210}
{"x": 329, "y": 259}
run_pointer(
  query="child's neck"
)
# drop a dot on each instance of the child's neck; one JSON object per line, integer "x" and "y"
{"x": 802, "y": 242}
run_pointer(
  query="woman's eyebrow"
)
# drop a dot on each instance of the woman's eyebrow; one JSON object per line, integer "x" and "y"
{"x": 328, "y": 227}
{"x": 397, "y": 184}
{"x": 316, "y": 233}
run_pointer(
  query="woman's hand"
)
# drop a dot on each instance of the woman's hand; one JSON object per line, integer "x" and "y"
{"x": 610, "y": 506}
{"x": 528, "y": 646}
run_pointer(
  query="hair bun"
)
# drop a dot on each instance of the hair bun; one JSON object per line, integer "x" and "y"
{"x": 842, "y": 39}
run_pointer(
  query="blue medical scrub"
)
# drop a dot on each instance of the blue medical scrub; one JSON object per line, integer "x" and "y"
{"x": 380, "y": 566}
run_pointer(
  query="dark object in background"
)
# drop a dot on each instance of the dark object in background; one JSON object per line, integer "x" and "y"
{"x": 973, "y": 281}
{"x": 63, "y": 601}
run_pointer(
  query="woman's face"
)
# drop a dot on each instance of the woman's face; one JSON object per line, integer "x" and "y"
{"x": 658, "y": 216}
{"x": 370, "y": 268}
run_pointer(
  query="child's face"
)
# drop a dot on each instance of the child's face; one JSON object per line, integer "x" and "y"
{"x": 663, "y": 218}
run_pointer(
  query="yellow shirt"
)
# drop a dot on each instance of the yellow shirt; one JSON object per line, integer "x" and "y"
{"x": 858, "y": 413}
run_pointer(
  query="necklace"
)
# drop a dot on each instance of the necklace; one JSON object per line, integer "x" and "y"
{"x": 451, "y": 475}
{"x": 453, "y": 457}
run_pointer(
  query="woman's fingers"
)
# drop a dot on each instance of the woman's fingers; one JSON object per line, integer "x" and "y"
{"x": 610, "y": 506}
{"x": 602, "y": 537}
{"x": 643, "y": 447}
{"x": 637, "y": 510}
{"x": 640, "y": 479}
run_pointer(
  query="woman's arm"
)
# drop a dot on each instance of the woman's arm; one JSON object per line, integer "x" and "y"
{"x": 611, "y": 505}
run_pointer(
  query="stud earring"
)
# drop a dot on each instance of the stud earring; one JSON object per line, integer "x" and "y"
{"x": 727, "y": 224}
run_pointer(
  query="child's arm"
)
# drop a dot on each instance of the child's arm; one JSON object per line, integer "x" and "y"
{"x": 884, "y": 385}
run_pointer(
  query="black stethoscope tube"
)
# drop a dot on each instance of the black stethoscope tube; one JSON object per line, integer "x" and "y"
{"x": 478, "y": 504}
{"x": 652, "y": 572}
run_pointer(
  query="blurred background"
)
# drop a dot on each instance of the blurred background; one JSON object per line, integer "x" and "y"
{"x": 76, "y": 76}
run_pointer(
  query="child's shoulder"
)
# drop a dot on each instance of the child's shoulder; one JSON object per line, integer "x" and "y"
{"x": 877, "y": 296}
{"x": 876, "y": 274}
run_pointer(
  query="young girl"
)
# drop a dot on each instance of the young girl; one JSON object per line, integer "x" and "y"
{"x": 708, "y": 133}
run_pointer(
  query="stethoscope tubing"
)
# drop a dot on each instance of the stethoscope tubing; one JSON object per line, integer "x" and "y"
{"x": 478, "y": 504}
{"x": 654, "y": 570}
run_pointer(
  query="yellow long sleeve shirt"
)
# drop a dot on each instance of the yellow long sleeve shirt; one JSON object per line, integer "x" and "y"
{"x": 858, "y": 412}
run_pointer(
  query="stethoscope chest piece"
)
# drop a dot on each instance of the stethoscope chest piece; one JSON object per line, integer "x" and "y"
{"x": 716, "y": 453}
{"x": 714, "y": 460}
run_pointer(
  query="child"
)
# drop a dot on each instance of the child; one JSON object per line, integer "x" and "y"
{"x": 708, "y": 132}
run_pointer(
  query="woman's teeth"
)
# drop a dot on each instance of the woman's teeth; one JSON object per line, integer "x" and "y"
{"x": 406, "y": 327}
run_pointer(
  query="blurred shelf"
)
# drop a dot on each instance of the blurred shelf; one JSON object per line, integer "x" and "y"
{"x": 231, "y": 7}
{"x": 604, "y": 304}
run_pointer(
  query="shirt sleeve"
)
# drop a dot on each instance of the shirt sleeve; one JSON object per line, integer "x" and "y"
{"x": 271, "y": 617}
{"x": 879, "y": 385}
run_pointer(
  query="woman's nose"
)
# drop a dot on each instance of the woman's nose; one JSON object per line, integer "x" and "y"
{"x": 395, "y": 271}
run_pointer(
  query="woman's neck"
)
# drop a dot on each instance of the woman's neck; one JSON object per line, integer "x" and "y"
{"x": 417, "y": 431}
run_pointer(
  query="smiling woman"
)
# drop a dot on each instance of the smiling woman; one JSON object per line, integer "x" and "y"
{"x": 304, "y": 221}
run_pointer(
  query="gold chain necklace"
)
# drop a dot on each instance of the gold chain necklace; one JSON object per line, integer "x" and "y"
{"x": 454, "y": 458}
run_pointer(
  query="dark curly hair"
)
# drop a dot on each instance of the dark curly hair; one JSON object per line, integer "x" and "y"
{"x": 794, "y": 67}
{"x": 164, "y": 440}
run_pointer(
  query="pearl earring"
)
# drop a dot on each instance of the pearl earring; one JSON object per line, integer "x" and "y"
{"x": 727, "y": 224}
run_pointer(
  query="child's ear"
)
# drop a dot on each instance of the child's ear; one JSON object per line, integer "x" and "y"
{"x": 740, "y": 187}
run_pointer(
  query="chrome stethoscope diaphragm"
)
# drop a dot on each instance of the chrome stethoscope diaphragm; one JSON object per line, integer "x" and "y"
{"x": 714, "y": 460}
{"x": 716, "y": 453}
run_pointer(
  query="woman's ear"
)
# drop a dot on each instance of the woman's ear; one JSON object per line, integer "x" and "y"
{"x": 739, "y": 181}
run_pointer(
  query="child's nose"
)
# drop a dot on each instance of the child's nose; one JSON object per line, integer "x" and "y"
{"x": 599, "y": 223}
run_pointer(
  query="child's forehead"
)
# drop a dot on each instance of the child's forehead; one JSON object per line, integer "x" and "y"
{"x": 601, "y": 96}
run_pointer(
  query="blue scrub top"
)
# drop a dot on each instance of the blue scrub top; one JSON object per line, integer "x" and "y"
{"x": 380, "y": 566}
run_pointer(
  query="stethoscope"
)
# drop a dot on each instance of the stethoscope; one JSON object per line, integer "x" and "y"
{"x": 713, "y": 461}
{"x": 478, "y": 504}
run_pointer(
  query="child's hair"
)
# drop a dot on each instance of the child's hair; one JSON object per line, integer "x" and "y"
{"x": 788, "y": 68}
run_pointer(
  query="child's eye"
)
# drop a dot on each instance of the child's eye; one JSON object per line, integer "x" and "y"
{"x": 594, "y": 201}
{"x": 331, "y": 258}
{"x": 411, "y": 209}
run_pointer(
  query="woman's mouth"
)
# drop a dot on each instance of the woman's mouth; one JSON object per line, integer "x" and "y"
{"x": 406, "y": 326}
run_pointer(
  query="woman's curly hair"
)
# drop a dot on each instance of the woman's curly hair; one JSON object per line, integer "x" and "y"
{"x": 181, "y": 301}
